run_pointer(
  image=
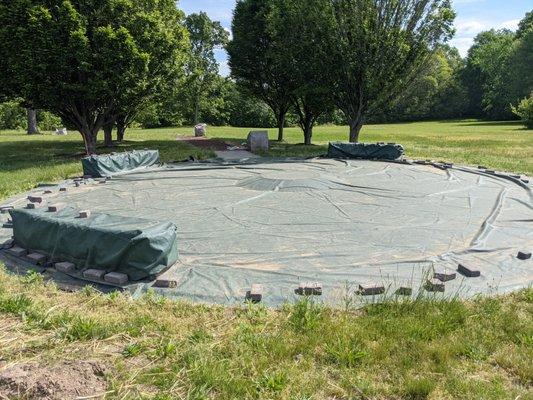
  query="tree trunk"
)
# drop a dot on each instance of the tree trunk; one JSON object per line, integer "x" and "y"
{"x": 281, "y": 125}
{"x": 108, "y": 134}
{"x": 89, "y": 140}
{"x": 355, "y": 129}
{"x": 197, "y": 110}
{"x": 32, "y": 121}
{"x": 121, "y": 130}
{"x": 308, "y": 135}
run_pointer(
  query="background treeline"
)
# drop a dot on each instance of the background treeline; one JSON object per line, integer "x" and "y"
{"x": 492, "y": 80}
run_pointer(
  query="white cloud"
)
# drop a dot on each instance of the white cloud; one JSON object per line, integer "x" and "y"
{"x": 512, "y": 24}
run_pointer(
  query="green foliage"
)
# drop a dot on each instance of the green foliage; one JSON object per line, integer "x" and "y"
{"x": 525, "y": 111}
{"x": 12, "y": 116}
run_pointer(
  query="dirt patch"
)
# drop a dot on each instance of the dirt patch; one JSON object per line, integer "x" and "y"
{"x": 69, "y": 380}
{"x": 205, "y": 143}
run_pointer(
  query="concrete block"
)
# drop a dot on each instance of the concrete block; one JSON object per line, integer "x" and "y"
{"x": 444, "y": 274}
{"x": 371, "y": 289}
{"x": 5, "y": 209}
{"x": 468, "y": 271}
{"x": 8, "y": 225}
{"x": 258, "y": 141}
{"x": 522, "y": 255}
{"x": 56, "y": 207}
{"x": 36, "y": 258}
{"x": 63, "y": 189}
{"x": 255, "y": 294}
{"x": 404, "y": 291}
{"x": 35, "y": 199}
{"x": 94, "y": 274}
{"x": 116, "y": 278}
{"x": 165, "y": 283}
{"x": 33, "y": 206}
{"x": 309, "y": 289}
{"x": 434, "y": 285}
{"x": 84, "y": 214}
{"x": 65, "y": 267}
{"x": 17, "y": 251}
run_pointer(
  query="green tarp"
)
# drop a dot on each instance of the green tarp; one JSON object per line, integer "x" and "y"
{"x": 118, "y": 163}
{"x": 366, "y": 151}
{"x": 137, "y": 247}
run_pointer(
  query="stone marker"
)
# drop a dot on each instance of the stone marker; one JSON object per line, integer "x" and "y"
{"x": 65, "y": 267}
{"x": 116, "y": 278}
{"x": 469, "y": 272}
{"x": 94, "y": 274}
{"x": 434, "y": 285}
{"x": 84, "y": 214}
{"x": 258, "y": 141}
{"x": 523, "y": 256}
{"x": 200, "y": 130}
{"x": 56, "y": 207}
{"x": 371, "y": 289}
{"x": 309, "y": 289}
{"x": 255, "y": 294}
{"x": 37, "y": 258}
{"x": 444, "y": 274}
{"x": 17, "y": 251}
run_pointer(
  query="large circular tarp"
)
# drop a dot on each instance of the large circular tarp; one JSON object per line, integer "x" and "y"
{"x": 340, "y": 223}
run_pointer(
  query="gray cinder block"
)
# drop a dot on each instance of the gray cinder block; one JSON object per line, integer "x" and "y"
{"x": 17, "y": 251}
{"x": 523, "y": 255}
{"x": 63, "y": 189}
{"x": 165, "y": 283}
{"x": 116, "y": 278}
{"x": 56, "y": 207}
{"x": 468, "y": 271}
{"x": 309, "y": 289}
{"x": 36, "y": 258}
{"x": 94, "y": 274}
{"x": 434, "y": 285}
{"x": 84, "y": 214}
{"x": 65, "y": 267}
{"x": 371, "y": 289}
{"x": 255, "y": 294}
{"x": 444, "y": 274}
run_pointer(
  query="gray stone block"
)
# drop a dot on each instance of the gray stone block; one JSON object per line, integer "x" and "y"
{"x": 255, "y": 294}
{"x": 200, "y": 130}
{"x": 444, "y": 274}
{"x": 8, "y": 244}
{"x": 371, "y": 289}
{"x": 116, "y": 278}
{"x": 258, "y": 141}
{"x": 5, "y": 209}
{"x": 522, "y": 255}
{"x": 17, "y": 251}
{"x": 309, "y": 289}
{"x": 65, "y": 267}
{"x": 468, "y": 271}
{"x": 36, "y": 258}
{"x": 33, "y": 206}
{"x": 84, "y": 214}
{"x": 56, "y": 207}
{"x": 63, "y": 189}
{"x": 434, "y": 285}
{"x": 404, "y": 291}
{"x": 165, "y": 283}
{"x": 35, "y": 199}
{"x": 94, "y": 274}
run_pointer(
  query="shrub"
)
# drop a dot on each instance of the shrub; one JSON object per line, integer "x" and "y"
{"x": 525, "y": 111}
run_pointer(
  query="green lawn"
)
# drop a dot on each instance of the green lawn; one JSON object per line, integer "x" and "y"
{"x": 159, "y": 349}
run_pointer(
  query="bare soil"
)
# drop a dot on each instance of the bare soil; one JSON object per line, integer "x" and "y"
{"x": 69, "y": 380}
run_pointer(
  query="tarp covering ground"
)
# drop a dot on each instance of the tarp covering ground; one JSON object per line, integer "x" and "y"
{"x": 341, "y": 223}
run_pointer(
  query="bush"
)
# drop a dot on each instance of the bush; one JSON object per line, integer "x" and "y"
{"x": 13, "y": 116}
{"x": 525, "y": 111}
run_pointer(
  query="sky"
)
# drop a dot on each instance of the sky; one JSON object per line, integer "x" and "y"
{"x": 473, "y": 16}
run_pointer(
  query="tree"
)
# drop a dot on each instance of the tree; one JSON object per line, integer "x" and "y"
{"x": 85, "y": 54}
{"x": 377, "y": 49}
{"x": 253, "y": 57}
{"x": 202, "y": 68}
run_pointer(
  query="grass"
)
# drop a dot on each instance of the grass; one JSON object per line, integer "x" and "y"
{"x": 162, "y": 349}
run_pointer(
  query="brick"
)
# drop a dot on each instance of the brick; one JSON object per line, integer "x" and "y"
{"x": 56, "y": 207}
{"x": 523, "y": 255}
{"x": 165, "y": 283}
{"x": 116, "y": 278}
{"x": 84, "y": 214}
{"x": 65, "y": 267}
{"x": 404, "y": 291}
{"x": 36, "y": 258}
{"x": 35, "y": 199}
{"x": 444, "y": 275}
{"x": 371, "y": 289}
{"x": 17, "y": 251}
{"x": 309, "y": 289}
{"x": 94, "y": 274}
{"x": 255, "y": 294}
{"x": 434, "y": 285}
{"x": 468, "y": 271}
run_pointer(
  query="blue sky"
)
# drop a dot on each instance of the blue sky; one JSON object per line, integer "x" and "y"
{"x": 473, "y": 16}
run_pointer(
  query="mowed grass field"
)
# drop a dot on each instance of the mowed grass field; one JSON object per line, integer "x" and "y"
{"x": 154, "y": 348}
